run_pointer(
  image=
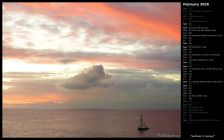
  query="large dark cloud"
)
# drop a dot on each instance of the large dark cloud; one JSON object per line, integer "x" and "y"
{"x": 92, "y": 77}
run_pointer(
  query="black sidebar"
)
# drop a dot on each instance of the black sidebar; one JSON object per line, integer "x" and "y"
{"x": 202, "y": 69}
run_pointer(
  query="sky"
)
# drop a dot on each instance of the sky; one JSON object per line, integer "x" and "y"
{"x": 91, "y": 55}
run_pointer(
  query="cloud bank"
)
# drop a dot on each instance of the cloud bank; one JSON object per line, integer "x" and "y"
{"x": 92, "y": 77}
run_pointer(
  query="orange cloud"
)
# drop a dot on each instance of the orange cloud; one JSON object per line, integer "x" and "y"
{"x": 134, "y": 23}
{"x": 139, "y": 25}
{"x": 125, "y": 21}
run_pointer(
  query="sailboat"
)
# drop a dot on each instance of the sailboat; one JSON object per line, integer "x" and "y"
{"x": 142, "y": 125}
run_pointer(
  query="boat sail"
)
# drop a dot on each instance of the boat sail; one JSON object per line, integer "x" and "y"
{"x": 142, "y": 125}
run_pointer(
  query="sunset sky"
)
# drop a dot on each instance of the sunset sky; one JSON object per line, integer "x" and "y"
{"x": 91, "y": 55}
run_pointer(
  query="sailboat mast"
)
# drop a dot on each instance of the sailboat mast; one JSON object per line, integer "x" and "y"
{"x": 141, "y": 120}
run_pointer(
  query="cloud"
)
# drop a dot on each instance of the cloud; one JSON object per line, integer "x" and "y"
{"x": 130, "y": 35}
{"x": 92, "y": 77}
{"x": 133, "y": 88}
{"x": 156, "y": 57}
{"x": 67, "y": 60}
{"x": 128, "y": 19}
{"x": 144, "y": 91}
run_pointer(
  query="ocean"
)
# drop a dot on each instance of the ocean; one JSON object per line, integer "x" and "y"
{"x": 89, "y": 123}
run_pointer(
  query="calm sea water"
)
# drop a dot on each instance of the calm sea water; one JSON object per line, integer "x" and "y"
{"x": 89, "y": 123}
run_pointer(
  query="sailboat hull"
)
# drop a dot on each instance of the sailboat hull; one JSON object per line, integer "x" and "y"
{"x": 143, "y": 128}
